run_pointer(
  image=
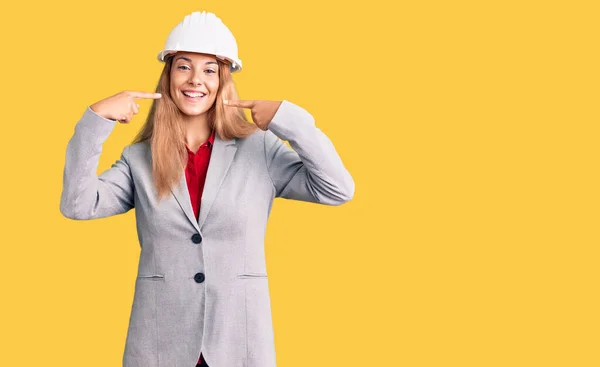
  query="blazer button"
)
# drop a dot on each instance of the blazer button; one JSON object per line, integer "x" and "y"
{"x": 199, "y": 277}
{"x": 196, "y": 238}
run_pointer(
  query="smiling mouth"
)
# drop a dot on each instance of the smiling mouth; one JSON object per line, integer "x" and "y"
{"x": 193, "y": 96}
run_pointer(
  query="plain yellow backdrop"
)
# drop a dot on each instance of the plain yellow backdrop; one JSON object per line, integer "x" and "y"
{"x": 470, "y": 128}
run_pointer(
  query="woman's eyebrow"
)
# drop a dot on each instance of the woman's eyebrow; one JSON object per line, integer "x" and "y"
{"x": 189, "y": 60}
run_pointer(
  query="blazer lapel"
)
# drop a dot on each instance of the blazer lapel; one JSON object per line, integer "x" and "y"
{"x": 182, "y": 195}
{"x": 221, "y": 157}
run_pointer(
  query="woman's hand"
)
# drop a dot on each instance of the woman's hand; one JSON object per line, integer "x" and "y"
{"x": 262, "y": 111}
{"x": 122, "y": 106}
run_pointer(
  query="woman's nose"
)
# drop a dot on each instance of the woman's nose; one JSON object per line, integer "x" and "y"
{"x": 196, "y": 78}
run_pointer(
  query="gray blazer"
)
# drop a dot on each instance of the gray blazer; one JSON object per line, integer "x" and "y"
{"x": 202, "y": 285}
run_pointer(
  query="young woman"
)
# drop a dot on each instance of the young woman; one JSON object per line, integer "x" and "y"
{"x": 202, "y": 179}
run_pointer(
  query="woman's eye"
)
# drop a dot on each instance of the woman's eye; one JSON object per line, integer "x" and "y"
{"x": 210, "y": 71}
{"x": 182, "y": 67}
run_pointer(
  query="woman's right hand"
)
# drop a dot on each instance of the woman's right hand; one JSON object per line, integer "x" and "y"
{"x": 122, "y": 106}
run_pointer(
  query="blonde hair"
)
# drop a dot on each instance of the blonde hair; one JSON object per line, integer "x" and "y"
{"x": 164, "y": 129}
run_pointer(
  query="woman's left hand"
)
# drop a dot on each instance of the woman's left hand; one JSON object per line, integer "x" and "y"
{"x": 262, "y": 111}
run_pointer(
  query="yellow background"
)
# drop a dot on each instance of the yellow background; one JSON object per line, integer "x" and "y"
{"x": 470, "y": 128}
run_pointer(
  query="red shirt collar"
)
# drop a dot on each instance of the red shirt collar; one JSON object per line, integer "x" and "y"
{"x": 211, "y": 138}
{"x": 210, "y": 141}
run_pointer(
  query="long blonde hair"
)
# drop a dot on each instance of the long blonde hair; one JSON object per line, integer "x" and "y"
{"x": 164, "y": 129}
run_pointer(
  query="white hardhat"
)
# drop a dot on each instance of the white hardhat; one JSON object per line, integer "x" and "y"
{"x": 204, "y": 33}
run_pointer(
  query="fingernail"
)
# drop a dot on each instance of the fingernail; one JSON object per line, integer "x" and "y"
{"x": 158, "y": 95}
{"x": 225, "y": 101}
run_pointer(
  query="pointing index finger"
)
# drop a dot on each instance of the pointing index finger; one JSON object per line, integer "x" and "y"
{"x": 240, "y": 103}
{"x": 138, "y": 95}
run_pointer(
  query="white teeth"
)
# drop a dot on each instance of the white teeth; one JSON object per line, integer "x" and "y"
{"x": 194, "y": 95}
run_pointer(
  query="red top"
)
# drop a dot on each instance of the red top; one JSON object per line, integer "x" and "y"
{"x": 195, "y": 172}
{"x": 195, "y": 175}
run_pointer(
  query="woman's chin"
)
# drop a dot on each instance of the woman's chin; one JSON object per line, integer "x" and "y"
{"x": 192, "y": 112}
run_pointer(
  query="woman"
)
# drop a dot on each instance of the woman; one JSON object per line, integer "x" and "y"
{"x": 202, "y": 180}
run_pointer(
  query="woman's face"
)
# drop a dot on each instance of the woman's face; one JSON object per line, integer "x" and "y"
{"x": 194, "y": 82}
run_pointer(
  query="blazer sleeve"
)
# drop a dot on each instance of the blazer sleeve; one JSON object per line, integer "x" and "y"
{"x": 312, "y": 171}
{"x": 86, "y": 195}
